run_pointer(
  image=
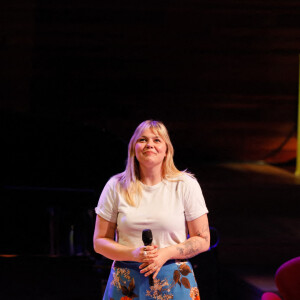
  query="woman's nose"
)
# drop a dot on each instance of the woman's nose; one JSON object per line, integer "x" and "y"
{"x": 149, "y": 144}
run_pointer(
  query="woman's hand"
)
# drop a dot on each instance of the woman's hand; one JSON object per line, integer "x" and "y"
{"x": 154, "y": 265}
{"x": 144, "y": 254}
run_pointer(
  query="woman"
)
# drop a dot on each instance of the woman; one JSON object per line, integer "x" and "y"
{"x": 151, "y": 193}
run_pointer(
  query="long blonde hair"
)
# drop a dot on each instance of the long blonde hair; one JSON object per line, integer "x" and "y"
{"x": 129, "y": 180}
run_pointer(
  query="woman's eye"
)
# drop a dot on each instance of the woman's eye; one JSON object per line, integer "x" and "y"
{"x": 157, "y": 140}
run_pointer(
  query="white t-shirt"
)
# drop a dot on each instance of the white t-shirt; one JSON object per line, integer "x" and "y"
{"x": 164, "y": 208}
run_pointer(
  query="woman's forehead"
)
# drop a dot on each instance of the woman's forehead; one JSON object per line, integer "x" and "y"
{"x": 150, "y": 131}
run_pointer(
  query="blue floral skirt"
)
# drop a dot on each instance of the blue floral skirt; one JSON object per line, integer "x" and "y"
{"x": 175, "y": 280}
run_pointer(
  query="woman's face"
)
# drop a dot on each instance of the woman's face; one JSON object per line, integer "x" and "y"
{"x": 150, "y": 149}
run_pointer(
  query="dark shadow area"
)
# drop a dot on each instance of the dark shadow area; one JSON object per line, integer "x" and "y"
{"x": 49, "y": 278}
{"x": 41, "y": 151}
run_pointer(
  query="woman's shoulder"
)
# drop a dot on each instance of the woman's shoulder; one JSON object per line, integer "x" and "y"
{"x": 184, "y": 177}
{"x": 115, "y": 179}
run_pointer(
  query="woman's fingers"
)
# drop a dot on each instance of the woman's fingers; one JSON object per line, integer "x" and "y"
{"x": 148, "y": 256}
{"x": 149, "y": 269}
{"x": 142, "y": 266}
{"x": 154, "y": 265}
{"x": 156, "y": 272}
{"x": 151, "y": 249}
{"x": 148, "y": 252}
{"x": 145, "y": 253}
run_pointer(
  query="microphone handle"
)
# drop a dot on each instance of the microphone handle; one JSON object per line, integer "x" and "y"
{"x": 151, "y": 282}
{"x": 147, "y": 240}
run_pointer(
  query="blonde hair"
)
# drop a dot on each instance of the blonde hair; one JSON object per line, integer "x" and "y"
{"x": 129, "y": 180}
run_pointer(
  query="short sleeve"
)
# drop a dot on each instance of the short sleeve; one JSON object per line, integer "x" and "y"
{"x": 194, "y": 203}
{"x": 107, "y": 207}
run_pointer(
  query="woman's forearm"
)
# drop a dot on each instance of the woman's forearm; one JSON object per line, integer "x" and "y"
{"x": 189, "y": 248}
{"x": 113, "y": 250}
{"x": 198, "y": 242}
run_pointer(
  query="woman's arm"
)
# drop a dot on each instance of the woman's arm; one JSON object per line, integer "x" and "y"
{"x": 105, "y": 245}
{"x": 198, "y": 242}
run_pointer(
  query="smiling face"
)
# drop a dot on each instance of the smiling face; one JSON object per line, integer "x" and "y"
{"x": 150, "y": 149}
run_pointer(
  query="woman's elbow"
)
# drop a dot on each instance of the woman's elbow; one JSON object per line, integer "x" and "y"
{"x": 206, "y": 244}
{"x": 97, "y": 244}
{"x": 96, "y": 247}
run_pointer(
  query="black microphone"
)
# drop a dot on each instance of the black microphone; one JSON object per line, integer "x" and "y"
{"x": 147, "y": 240}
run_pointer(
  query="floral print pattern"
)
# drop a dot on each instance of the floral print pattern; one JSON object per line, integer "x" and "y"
{"x": 162, "y": 290}
{"x": 178, "y": 284}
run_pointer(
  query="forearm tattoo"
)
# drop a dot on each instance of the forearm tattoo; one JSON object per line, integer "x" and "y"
{"x": 195, "y": 244}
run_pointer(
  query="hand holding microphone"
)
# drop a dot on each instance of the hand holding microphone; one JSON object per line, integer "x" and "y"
{"x": 147, "y": 240}
{"x": 156, "y": 258}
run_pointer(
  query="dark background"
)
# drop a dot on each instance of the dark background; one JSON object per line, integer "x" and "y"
{"x": 77, "y": 77}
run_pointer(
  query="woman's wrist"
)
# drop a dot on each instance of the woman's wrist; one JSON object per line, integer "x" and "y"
{"x": 170, "y": 252}
{"x": 115, "y": 251}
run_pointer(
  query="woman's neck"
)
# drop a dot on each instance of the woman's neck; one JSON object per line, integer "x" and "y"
{"x": 150, "y": 176}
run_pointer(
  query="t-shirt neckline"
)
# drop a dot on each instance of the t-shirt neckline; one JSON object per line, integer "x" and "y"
{"x": 152, "y": 187}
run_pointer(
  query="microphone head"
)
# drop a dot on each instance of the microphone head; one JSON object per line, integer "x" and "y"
{"x": 147, "y": 237}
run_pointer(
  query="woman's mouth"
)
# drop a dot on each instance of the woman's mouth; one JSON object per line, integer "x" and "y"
{"x": 149, "y": 152}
